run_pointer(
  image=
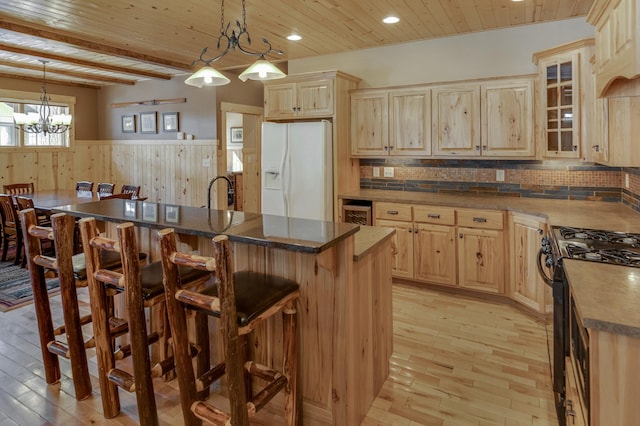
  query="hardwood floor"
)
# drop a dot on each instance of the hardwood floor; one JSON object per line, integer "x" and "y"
{"x": 457, "y": 361}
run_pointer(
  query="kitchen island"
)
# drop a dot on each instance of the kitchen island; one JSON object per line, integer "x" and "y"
{"x": 344, "y": 310}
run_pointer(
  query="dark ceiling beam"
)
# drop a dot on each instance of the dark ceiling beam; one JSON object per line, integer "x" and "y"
{"x": 70, "y": 73}
{"x": 54, "y": 81}
{"x": 82, "y": 62}
{"x": 48, "y": 34}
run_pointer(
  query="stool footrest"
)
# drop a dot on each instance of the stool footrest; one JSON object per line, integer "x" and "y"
{"x": 168, "y": 364}
{"x": 58, "y": 348}
{"x": 122, "y": 379}
{"x": 203, "y": 382}
{"x": 118, "y": 326}
{"x": 125, "y": 350}
{"x": 62, "y": 329}
{"x": 209, "y": 413}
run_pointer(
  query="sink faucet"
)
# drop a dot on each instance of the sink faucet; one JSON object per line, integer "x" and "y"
{"x": 229, "y": 190}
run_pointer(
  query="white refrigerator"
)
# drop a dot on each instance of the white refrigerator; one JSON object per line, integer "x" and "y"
{"x": 297, "y": 171}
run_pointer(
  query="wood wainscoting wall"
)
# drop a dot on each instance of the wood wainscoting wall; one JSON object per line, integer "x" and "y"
{"x": 167, "y": 171}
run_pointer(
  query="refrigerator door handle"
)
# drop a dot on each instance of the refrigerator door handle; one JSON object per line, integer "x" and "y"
{"x": 285, "y": 172}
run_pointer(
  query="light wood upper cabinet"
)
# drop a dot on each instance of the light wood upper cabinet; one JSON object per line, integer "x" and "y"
{"x": 616, "y": 40}
{"x": 370, "y": 123}
{"x": 390, "y": 122}
{"x": 409, "y": 122}
{"x": 298, "y": 99}
{"x": 455, "y": 117}
{"x": 565, "y": 99}
{"x": 619, "y": 127}
{"x": 507, "y": 119}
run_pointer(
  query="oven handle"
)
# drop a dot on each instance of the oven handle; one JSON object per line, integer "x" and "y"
{"x": 545, "y": 277}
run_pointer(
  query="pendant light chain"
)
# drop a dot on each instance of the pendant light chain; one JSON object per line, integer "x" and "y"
{"x": 244, "y": 15}
{"x": 222, "y": 18}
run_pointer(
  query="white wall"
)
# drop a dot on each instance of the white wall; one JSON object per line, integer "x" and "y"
{"x": 485, "y": 54}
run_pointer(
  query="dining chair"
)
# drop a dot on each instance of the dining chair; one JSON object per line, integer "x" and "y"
{"x": 105, "y": 188}
{"x": 142, "y": 287}
{"x": 24, "y": 203}
{"x": 131, "y": 189}
{"x": 241, "y": 300}
{"x": 84, "y": 188}
{"x": 10, "y": 228}
{"x": 18, "y": 188}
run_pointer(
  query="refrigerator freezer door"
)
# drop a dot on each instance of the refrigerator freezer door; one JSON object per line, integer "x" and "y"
{"x": 274, "y": 150}
{"x": 308, "y": 178}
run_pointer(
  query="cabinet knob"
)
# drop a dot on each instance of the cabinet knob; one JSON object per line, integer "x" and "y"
{"x": 575, "y": 148}
{"x": 596, "y": 148}
{"x": 410, "y": 230}
{"x": 386, "y": 148}
{"x": 484, "y": 147}
{"x": 477, "y": 147}
{"x": 460, "y": 235}
{"x": 540, "y": 231}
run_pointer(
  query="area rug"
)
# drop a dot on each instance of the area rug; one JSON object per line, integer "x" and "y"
{"x": 15, "y": 286}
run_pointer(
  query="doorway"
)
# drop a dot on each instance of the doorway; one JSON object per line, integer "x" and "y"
{"x": 239, "y": 154}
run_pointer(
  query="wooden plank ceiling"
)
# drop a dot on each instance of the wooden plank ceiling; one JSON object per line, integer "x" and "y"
{"x": 94, "y": 43}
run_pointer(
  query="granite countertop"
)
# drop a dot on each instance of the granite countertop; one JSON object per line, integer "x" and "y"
{"x": 369, "y": 237}
{"x": 585, "y": 214}
{"x": 607, "y": 296}
{"x": 302, "y": 235}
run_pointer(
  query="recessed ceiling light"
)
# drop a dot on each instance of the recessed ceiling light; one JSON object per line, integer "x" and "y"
{"x": 391, "y": 20}
{"x": 294, "y": 37}
{"x": 516, "y": 1}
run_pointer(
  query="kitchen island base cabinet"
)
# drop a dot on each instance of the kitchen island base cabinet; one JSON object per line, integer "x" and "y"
{"x": 344, "y": 322}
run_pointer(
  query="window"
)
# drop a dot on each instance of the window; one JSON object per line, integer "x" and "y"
{"x": 25, "y": 102}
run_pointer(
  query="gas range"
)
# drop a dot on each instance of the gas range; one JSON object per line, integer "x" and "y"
{"x": 619, "y": 248}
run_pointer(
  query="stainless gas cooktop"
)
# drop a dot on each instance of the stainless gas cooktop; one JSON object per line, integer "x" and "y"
{"x": 620, "y": 248}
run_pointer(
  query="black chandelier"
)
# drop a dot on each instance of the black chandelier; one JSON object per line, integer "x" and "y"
{"x": 43, "y": 121}
{"x": 260, "y": 70}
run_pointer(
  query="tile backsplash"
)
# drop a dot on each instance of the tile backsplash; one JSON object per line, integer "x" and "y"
{"x": 528, "y": 178}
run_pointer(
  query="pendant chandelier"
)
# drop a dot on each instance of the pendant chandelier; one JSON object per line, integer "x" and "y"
{"x": 260, "y": 70}
{"x": 43, "y": 121}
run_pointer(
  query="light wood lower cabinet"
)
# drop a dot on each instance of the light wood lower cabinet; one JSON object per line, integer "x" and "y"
{"x": 481, "y": 259}
{"x": 574, "y": 409}
{"x": 525, "y": 284}
{"x": 434, "y": 257}
{"x": 402, "y": 243}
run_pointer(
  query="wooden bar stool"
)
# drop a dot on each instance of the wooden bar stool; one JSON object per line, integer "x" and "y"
{"x": 61, "y": 233}
{"x": 241, "y": 300}
{"x": 142, "y": 287}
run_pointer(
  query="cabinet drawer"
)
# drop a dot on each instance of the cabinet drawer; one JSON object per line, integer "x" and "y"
{"x": 434, "y": 214}
{"x": 393, "y": 211}
{"x": 485, "y": 219}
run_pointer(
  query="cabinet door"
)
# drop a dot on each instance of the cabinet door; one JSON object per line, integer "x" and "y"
{"x": 403, "y": 247}
{"x": 409, "y": 128}
{"x": 526, "y": 285}
{"x": 435, "y": 253}
{"x": 507, "y": 119}
{"x": 481, "y": 259}
{"x": 560, "y": 108}
{"x": 280, "y": 100}
{"x": 370, "y": 124}
{"x": 456, "y": 120}
{"x": 315, "y": 98}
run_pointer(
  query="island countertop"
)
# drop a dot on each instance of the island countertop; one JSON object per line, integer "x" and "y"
{"x": 302, "y": 235}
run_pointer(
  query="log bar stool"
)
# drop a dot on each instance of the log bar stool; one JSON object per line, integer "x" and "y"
{"x": 62, "y": 235}
{"x": 142, "y": 287}
{"x": 241, "y": 300}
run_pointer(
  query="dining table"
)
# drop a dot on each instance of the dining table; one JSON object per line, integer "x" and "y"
{"x": 45, "y": 201}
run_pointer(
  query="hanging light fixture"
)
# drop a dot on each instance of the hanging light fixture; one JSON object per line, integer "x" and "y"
{"x": 260, "y": 70}
{"x": 43, "y": 121}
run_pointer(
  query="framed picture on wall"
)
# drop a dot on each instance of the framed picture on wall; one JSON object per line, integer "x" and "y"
{"x": 169, "y": 121}
{"x": 148, "y": 122}
{"x": 236, "y": 134}
{"x": 128, "y": 123}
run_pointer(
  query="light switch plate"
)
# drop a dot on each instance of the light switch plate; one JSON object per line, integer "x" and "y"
{"x": 499, "y": 175}
{"x": 206, "y": 162}
{"x": 626, "y": 180}
{"x": 376, "y": 172}
{"x": 388, "y": 172}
